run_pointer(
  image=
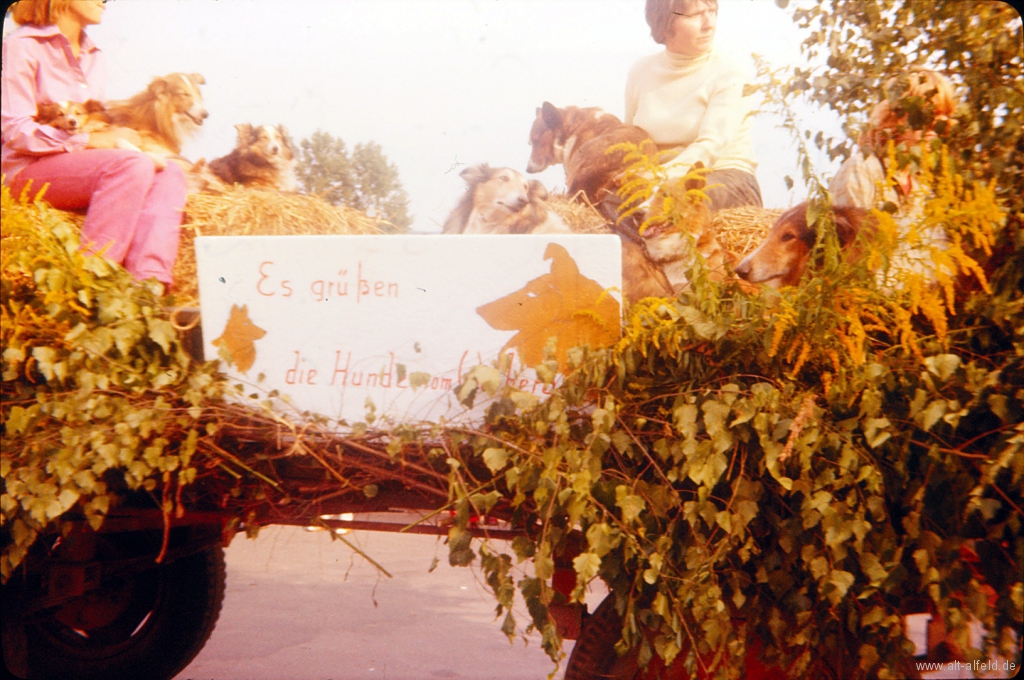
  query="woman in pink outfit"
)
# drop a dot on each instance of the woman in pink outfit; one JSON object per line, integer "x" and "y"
{"x": 134, "y": 209}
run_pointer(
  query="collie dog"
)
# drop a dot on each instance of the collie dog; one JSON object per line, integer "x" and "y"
{"x": 502, "y": 201}
{"x": 74, "y": 117}
{"x": 579, "y": 139}
{"x": 674, "y": 246}
{"x": 782, "y": 257}
{"x": 166, "y": 113}
{"x": 263, "y": 157}
{"x": 91, "y": 116}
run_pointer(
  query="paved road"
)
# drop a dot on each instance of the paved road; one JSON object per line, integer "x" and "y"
{"x": 302, "y": 607}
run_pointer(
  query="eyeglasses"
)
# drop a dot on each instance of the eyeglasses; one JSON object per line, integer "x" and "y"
{"x": 709, "y": 12}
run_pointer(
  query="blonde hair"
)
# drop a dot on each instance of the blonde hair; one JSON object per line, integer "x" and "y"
{"x": 38, "y": 12}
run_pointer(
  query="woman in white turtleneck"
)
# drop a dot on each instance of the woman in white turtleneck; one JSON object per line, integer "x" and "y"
{"x": 689, "y": 99}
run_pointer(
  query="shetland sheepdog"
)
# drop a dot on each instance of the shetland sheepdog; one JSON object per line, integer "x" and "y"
{"x": 502, "y": 201}
{"x": 263, "y": 157}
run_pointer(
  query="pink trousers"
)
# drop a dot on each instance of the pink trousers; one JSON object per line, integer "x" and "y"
{"x": 134, "y": 210}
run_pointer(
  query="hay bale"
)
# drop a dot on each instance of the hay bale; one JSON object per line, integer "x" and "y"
{"x": 581, "y": 217}
{"x": 241, "y": 211}
{"x": 741, "y": 230}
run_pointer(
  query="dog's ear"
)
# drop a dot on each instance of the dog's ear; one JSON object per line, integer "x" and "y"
{"x": 285, "y": 137}
{"x": 244, "y": 131}
{"x": 158, "y": 86}
{"x": 46, "y": 112}
{"x": 848, "y": 223}
{"x": 551, "y": 115}
{"x": 94, "y": 106}
{"x": 536, "y": 190}
{"x": 475, "y": 174}
{"x": 197, "y": 78}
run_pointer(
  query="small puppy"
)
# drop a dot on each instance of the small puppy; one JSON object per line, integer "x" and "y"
{"x": 782, "y": 257}
{"x": 74, "y": 117}
{"x": 502, "y": 201}
{"x": 91, "y": 116}
{"x": 263, "y": 157}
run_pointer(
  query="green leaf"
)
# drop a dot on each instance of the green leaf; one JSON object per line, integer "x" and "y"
{"x": 630, "y": 504}
{"x": 586, "y": 565}
{"x": 842, "y": 580}
{"x": 602, "y": 538}
{"x": 931, "y": 414}
{"x": 495, "y": 459}
{"x": 162, "y": 332}
{"x": 942, "y": 365}
{"x": 508, "y": 626}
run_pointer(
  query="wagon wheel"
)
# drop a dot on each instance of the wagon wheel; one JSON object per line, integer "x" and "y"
{"x": 594, "y": 656}
{"x": 143, "y": 625}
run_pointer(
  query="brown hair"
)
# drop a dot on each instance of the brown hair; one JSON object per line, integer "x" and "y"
{"x": 38, "y": 12}
{"x": 661, "y": 13}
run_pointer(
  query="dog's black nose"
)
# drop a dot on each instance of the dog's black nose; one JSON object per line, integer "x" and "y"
{"x": 743, "y": 270}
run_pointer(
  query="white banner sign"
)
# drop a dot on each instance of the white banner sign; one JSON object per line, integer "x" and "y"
{"x": 347, "y": 325}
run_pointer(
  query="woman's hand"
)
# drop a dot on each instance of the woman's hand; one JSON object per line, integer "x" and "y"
{"x": 114, "y": 138}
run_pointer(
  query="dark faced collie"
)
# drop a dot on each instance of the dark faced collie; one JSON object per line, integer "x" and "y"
{"x": 263, "y": 157}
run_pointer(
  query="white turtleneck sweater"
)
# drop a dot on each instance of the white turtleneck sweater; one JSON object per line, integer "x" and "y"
{"x": 695, "y": 104}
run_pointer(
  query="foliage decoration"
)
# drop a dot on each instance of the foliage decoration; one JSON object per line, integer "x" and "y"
{"x": 796, "y": 470}
{"x": 98, "y": 393}
{"x": 791, "y": 470}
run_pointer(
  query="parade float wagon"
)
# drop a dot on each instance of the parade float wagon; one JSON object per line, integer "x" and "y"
{"x": 780, "y": 479}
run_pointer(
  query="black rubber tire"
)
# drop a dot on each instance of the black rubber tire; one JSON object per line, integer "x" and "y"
{"x": 161, "y": 619}
{"x": 594, "y": 656}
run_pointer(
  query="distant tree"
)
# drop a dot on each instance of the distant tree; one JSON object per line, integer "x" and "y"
{"x": 362, "y": 179}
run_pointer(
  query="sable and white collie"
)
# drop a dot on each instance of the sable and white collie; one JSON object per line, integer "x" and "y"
{"x": 782, "y": 257}
{"x": 166, "y": 113}
{"x": 91, "y": 116}
{"x": 674, "y": 246}
{"x": 579, "y": 138}
{"x": 75, "y": 117}
{"x": 263, "y": 157}
{"x": 502, "y": 201}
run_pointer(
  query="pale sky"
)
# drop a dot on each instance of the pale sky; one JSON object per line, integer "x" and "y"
{"x": 439, "y": 84}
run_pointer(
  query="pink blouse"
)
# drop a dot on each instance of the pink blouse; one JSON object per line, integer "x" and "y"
{"x": 40, "y": 67}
